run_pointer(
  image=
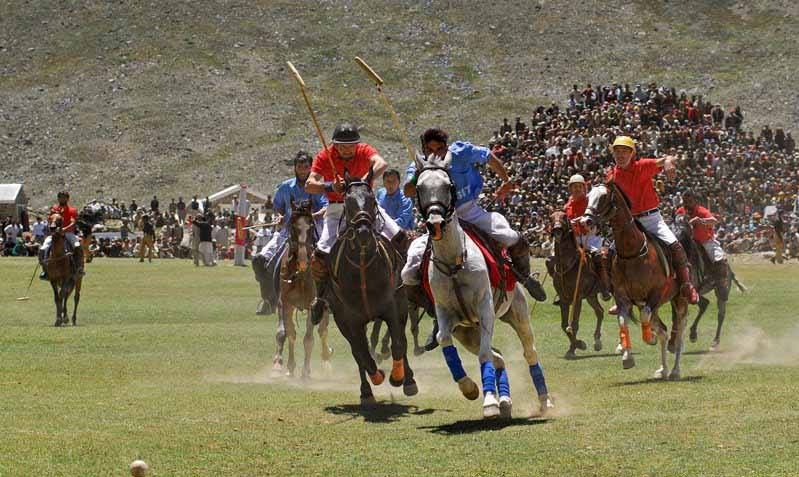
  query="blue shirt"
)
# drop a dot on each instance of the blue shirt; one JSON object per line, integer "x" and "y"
{"x": 288, "y": 190}
{"x": 398, "y": 207}
{"x": 463, "y": 170}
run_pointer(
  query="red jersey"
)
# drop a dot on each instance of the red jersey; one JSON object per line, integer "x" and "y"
{"x": 575, "y": 208}
{"x": 358, "y": 166}
{"x": 701, "y": 232}
{"x": 636, "y": 183}
{"x": 68, "y": 215}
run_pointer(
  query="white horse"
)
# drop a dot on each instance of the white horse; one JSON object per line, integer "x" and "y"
{"x": 465, "y": 303}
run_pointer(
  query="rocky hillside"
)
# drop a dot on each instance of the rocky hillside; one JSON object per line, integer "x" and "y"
{"x": 130, "y": 99}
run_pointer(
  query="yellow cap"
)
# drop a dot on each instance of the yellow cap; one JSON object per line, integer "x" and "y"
{"x": 625, "y": 141}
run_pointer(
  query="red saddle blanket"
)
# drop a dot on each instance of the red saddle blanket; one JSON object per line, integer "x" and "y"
{"x": 496, "y": 276}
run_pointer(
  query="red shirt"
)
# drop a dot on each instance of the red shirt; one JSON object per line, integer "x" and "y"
{"x": 576, "y": 208}
{"x": 358, "y": 166}
{"x": 68, "y": 215}
{"x": 702, "y": 232}
{"x": 636, "y": 183}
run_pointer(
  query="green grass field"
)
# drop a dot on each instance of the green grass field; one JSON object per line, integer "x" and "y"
{"x": 170, "y": 364}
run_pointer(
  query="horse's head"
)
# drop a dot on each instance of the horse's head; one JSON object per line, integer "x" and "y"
{"x": 360, "y": 205}
{"x": 435, "y": 193}
{"x": 300, "y": 229}
{"x": 56, "y": 224}
{"x": 601, "y": 206}
{"x": 682, "y": 225}
{"x": 560, "y": 225}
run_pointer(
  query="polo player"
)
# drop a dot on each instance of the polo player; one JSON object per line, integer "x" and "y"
{"x": 69, "y": 216}
{"x": 702, "y": 223}
{"x": 347, "y": 153}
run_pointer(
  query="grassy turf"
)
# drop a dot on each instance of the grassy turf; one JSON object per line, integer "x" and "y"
{"x": 169, "y": 364}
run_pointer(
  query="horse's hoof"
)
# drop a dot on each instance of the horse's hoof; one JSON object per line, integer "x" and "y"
{"x": 468, "y": 388}
{"x": 627, "y": 360}
{"x": 410, "y": 389}
{"x": 396, "y": 383}
{"x": 290, "y": 373}
{"x": 597, "y": 344}
{"x": 377, "y": 378}
{"x": 661, "y": 373}
{"x": 368, "y": 402}
{"x": 714, "y": 346}
{"x": 693, "y": 335}
{"x": 570, "y": 354}
{"x": 675, "y": 375}
{"x": 581, "y": 345}
{"x": 547, "y": 404}
{"x": 505, "y": 407}
{"x": 490, "y": 407}
{"x": 418, "y": 351}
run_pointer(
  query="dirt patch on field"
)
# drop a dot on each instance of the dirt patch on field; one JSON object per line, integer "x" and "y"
{"x": 752, "y": 345}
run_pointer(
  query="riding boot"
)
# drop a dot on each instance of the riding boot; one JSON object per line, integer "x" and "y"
{"x": 520, "y": 256}
{"x": 320, "y": 275}
{"x": 401, "y": 242}
{"x": 432, "y": 340}
{"x": 601, "y": 266}
{"x": 680, "y": 262}
{"x": 42, "y": 262}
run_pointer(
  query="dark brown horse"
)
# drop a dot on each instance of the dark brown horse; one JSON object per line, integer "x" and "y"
{"x": 297, "y": 291}
{"x": 641, "y": 277}
{"x": 564, "y": 267}
{"x": 62, "y": 273}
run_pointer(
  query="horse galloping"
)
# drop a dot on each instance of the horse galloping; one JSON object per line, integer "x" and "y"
{"x": 62, "y": 273}
{"x": 296, "y": 291}
{"x": 466, "y": 305}
{"x": 564, "y": 267}
{"x": 364, "y": 272}
{"x": 641, "y": 276}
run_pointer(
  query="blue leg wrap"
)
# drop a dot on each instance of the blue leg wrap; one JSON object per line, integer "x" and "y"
{"x": 489, "y": 377}
{"x": 537, "y": 373}
{"x": 453, "y": 362}
{"x": 502, "y": 382}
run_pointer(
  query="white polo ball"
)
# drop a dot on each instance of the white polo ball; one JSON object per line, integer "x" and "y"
{"x": 139, "y": 468}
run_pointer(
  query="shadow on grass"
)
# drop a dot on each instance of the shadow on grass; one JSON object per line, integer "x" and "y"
{"x": 480, "y": 425}
{"x": 699, "y": 352}
{"x": 591, "y": 356}
{"x": 686, "y": 379}
{"x": 384, "y": 411}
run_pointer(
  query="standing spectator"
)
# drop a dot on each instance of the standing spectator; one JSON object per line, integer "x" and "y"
{"x": 262, "y": 238}
{"x": 173, "y": 208}
{"x": 154, "y": 205}
{"x": 205, "y": 246}
{"x": 133, "y": 206}
{"x": 222, "y": 237}
{"x": 181, "y": 210}
{"x": 148, "y": 240}
{"x": 39, "y": 230}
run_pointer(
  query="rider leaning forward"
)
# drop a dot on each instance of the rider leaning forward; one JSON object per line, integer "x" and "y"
{"x": 69, "y": 218}
{"x": 634, "y": 178}
{"x": 327, "y": 173}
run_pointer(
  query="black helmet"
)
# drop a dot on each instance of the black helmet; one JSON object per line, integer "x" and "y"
{"x": 346, "y": 133}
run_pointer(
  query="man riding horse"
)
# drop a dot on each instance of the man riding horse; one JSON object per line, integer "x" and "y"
{"x": 702, "y": 221}
{"x": 347, "y": 153}
{"x": 468, "y": 184}
{"x": 69, "y": 216}
{"x": 634, "y": 177}
{"x": 587, "y": 238}
{"x": 290, "y": 190}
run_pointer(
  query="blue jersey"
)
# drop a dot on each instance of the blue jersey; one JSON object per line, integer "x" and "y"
{"x": 289, "y": 190}
{"x": 465, "y": 175}
{"x": 398, "y": 207}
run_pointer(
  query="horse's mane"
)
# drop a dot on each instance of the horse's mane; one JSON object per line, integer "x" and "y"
{"x": 612, "y": 183}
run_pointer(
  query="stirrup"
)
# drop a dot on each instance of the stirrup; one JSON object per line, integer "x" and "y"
{"x": 431, "y": 343}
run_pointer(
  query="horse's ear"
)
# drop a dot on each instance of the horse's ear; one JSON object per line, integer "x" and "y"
{"x": 445, "y": 163}
{"x": 418, "y": 161}
{"x": 370, "y": 175}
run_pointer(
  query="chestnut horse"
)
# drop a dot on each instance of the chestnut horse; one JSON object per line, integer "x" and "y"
{"x": 62, "y": 274}
{"x": 564, "y": 268}
{"x": 641, "y": 277}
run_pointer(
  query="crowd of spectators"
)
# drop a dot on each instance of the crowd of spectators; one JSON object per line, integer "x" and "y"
{"x": 738, "y": 174}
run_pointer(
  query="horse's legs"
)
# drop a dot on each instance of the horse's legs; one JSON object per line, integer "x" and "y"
{"x": 415, "y": 317}
{"x": 627, "y": 359}
{"x": 57, "y": 301}
{"x": 385, "y": 345}
{"x": 374, "y": 337}
{"x": 600, "y": 316}
{"x": 307, "y": 344}
{"x": 703, "y": 303}
{"x": 521, "y": 325}
{"x": 280, "y": 340}
{"x": 578, "y": 307}
{"x": 661, "y": 331}
{"x": 682, "y": 310}
{"x": 470, "y": 339}
{"x": 327, "y": 351}
{"x": 77, "y": 300}
{"x": 564, "y": 324}
{"x": 291, "y": 335}
{"x": 486, "y": 357}
{"x": 722, "y": 306}
{"x": 399, "y": 346}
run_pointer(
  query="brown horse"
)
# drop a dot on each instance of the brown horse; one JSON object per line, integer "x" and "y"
{"x": 297, "y": 291}
{"x": 62, "y": 274}
{"x": 641, "y": 277}
{"x": 564, "y": 267}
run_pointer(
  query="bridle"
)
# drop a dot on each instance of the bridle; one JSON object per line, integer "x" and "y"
{"x": 610, "y": 212}
{"x": 446, "y": 210}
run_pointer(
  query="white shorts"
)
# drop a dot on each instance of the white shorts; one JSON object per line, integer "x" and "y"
{"x": 410, "y": 272}
{"x": 274, "y": 244}
{"x": 714, "y": 250}
{"x": 494, "y": 224}
{"x": 654, "y": 224}
{"x": 590, "y": 242}
{"x": 387, "y": 227}
{"x": 69, "y": 236}
{"x": 206, "y": 251}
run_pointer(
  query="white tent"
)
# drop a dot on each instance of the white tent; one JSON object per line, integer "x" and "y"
{"x": 224, "y": 198}
{"x": 12, "y": 200}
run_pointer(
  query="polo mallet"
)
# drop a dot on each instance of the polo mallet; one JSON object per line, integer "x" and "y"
{"x": 301, "y": 83}
{"x": 26, "y": 297}
{"x": 569, "y": 329}
{"x": 395, "y": 118}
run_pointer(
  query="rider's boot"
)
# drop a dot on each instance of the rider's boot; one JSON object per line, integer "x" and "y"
{"x": 320, "y": 275}
{"x": 42, "y": 260}
{"x": 520, "y": 256}
{"x": 601, "y": 266}
{"x": 680, "y": 262}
